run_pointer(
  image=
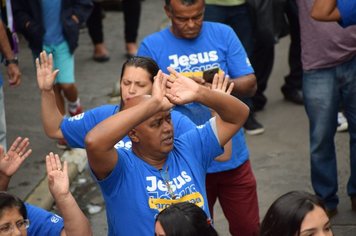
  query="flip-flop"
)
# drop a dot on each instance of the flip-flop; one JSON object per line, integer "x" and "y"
{"x": 103, "y": 58}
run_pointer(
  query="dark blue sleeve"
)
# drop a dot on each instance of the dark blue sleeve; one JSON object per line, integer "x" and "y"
{"x": 43, "y": 222}
{"x": 75, "y": 128}
{"x": 347, "y": 9}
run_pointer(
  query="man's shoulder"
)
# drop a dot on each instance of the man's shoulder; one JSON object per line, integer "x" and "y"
{"x": 216, "y": 26}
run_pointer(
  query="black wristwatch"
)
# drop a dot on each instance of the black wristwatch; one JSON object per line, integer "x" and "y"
{"x": 11, "y": 61}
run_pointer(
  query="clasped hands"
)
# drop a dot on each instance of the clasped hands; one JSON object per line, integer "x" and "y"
{"x": 176, "y": 89}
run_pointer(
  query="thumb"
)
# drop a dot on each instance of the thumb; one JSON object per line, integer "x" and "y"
{"x": 54, "y": 74}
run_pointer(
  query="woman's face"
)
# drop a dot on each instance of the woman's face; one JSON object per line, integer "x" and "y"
{"x": 12, "y": 223}
{"x": 135, "y": 81}
{"x": 159, "y": 229}
{"x": 316, "y": 223}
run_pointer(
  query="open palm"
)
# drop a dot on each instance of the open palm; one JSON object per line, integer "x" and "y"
{"x": 45, "y": 73}
{"x": 17, "y": 154}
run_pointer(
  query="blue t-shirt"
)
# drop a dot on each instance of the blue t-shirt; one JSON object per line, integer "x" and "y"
{"x": 43, "y": 222}
{"x": 216, "y": 46}
{"x": 135, "y": 191}
{"x": 199, "y": 115}
{"x": 347, "y": 10}
{"x": 51, "y": 14}
{"x": 75, "y": 128}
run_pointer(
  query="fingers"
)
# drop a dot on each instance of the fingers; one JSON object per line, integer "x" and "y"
{"x": 15, "y": 144}
{"x": 53, "y": 163}
{"x": 65, "y": 168}
{"x": 173, "y": 71}
{"x": 231, "y": 87}
{"x": 58, "y": 162}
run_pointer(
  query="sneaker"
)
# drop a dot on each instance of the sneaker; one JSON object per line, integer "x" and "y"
{"x": 62, "y": 144}
{"x": 342, "y": 124}
{"x": 252, "y": 126}
{"x": 77, "y": 111}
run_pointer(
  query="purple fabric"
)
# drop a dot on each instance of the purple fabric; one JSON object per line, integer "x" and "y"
{"x": 324, "y": 44}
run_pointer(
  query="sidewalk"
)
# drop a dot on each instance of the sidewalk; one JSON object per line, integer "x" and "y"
{"x": 279, "y": 157}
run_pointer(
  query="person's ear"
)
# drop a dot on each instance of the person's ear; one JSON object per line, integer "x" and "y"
{"x": 168, "y": 11}
{"x": 133, "y": 136}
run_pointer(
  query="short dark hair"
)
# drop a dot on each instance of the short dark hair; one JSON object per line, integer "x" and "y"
{"x": 184, "y": 2}
{"x": 8, "y": 201}
{"x": 146, "y": 63}
{"x": 286, "y": 214}
{"x": 187, "y": 219}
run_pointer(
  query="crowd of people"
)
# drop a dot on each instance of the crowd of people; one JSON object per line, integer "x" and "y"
{"x": 175, "y": 144}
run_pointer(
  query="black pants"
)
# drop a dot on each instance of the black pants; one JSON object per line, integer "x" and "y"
{"x": 263, "y": 59}
{"x": 95, "y": 24}
{"x": 132, "y": 13}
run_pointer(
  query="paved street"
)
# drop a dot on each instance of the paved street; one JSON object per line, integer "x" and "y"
{"x": 279, "y": 157}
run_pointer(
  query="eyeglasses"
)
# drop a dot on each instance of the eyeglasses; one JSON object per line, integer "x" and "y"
{"x": 165, "y": 176}
{"x": 8, "y": 228}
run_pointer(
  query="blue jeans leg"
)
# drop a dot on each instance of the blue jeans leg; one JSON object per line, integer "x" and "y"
{"x": 348, "y": 95}
{"x": 321, "y": 94}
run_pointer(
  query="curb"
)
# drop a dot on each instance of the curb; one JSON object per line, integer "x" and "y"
{"x": 40, "y": 196}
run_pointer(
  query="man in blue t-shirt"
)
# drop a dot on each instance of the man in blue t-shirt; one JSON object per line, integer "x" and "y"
{"x": 191, "y": 46}
{"x": 343, "y": 11}
{"x": 158, "y": 170}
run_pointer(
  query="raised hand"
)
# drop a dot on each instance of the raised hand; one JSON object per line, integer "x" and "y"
{"x": 12, "y": 160}
{"x": 221, "y": 83}
{"x": 181, "y": 90}
{"x": 58, "y": 180}
{"x": 45, "y": 73}
{"x": 159, "y": 90}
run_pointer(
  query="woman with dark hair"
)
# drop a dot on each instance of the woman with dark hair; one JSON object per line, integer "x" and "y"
{"x": 13, "y": 215}
{"x": 296, "y": 213}
{"x": 184, "y": 219}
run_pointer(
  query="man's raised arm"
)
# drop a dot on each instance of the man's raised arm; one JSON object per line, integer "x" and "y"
{"x": 232, "y": 112}
{"x": 100, "y": 141}
{"x": 51, "y": 116}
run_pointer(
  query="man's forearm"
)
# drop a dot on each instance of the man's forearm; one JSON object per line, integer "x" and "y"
{"x": 325, "y": 10}
{"x": 51, "y": 116}
{"x": 108, "y": 132}
{"x": 244, "y": 86}
{"x": 227, "y": 107}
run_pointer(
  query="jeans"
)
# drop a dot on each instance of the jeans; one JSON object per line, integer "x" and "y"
{"x": 2, "y": 120}
{"x": 323, "y": 89}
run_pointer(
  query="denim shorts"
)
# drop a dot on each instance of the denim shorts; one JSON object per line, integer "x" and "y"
{"x": 63, "y": 60}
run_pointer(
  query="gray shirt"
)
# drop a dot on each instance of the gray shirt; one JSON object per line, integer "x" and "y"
{"x": 324, "y": 44}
